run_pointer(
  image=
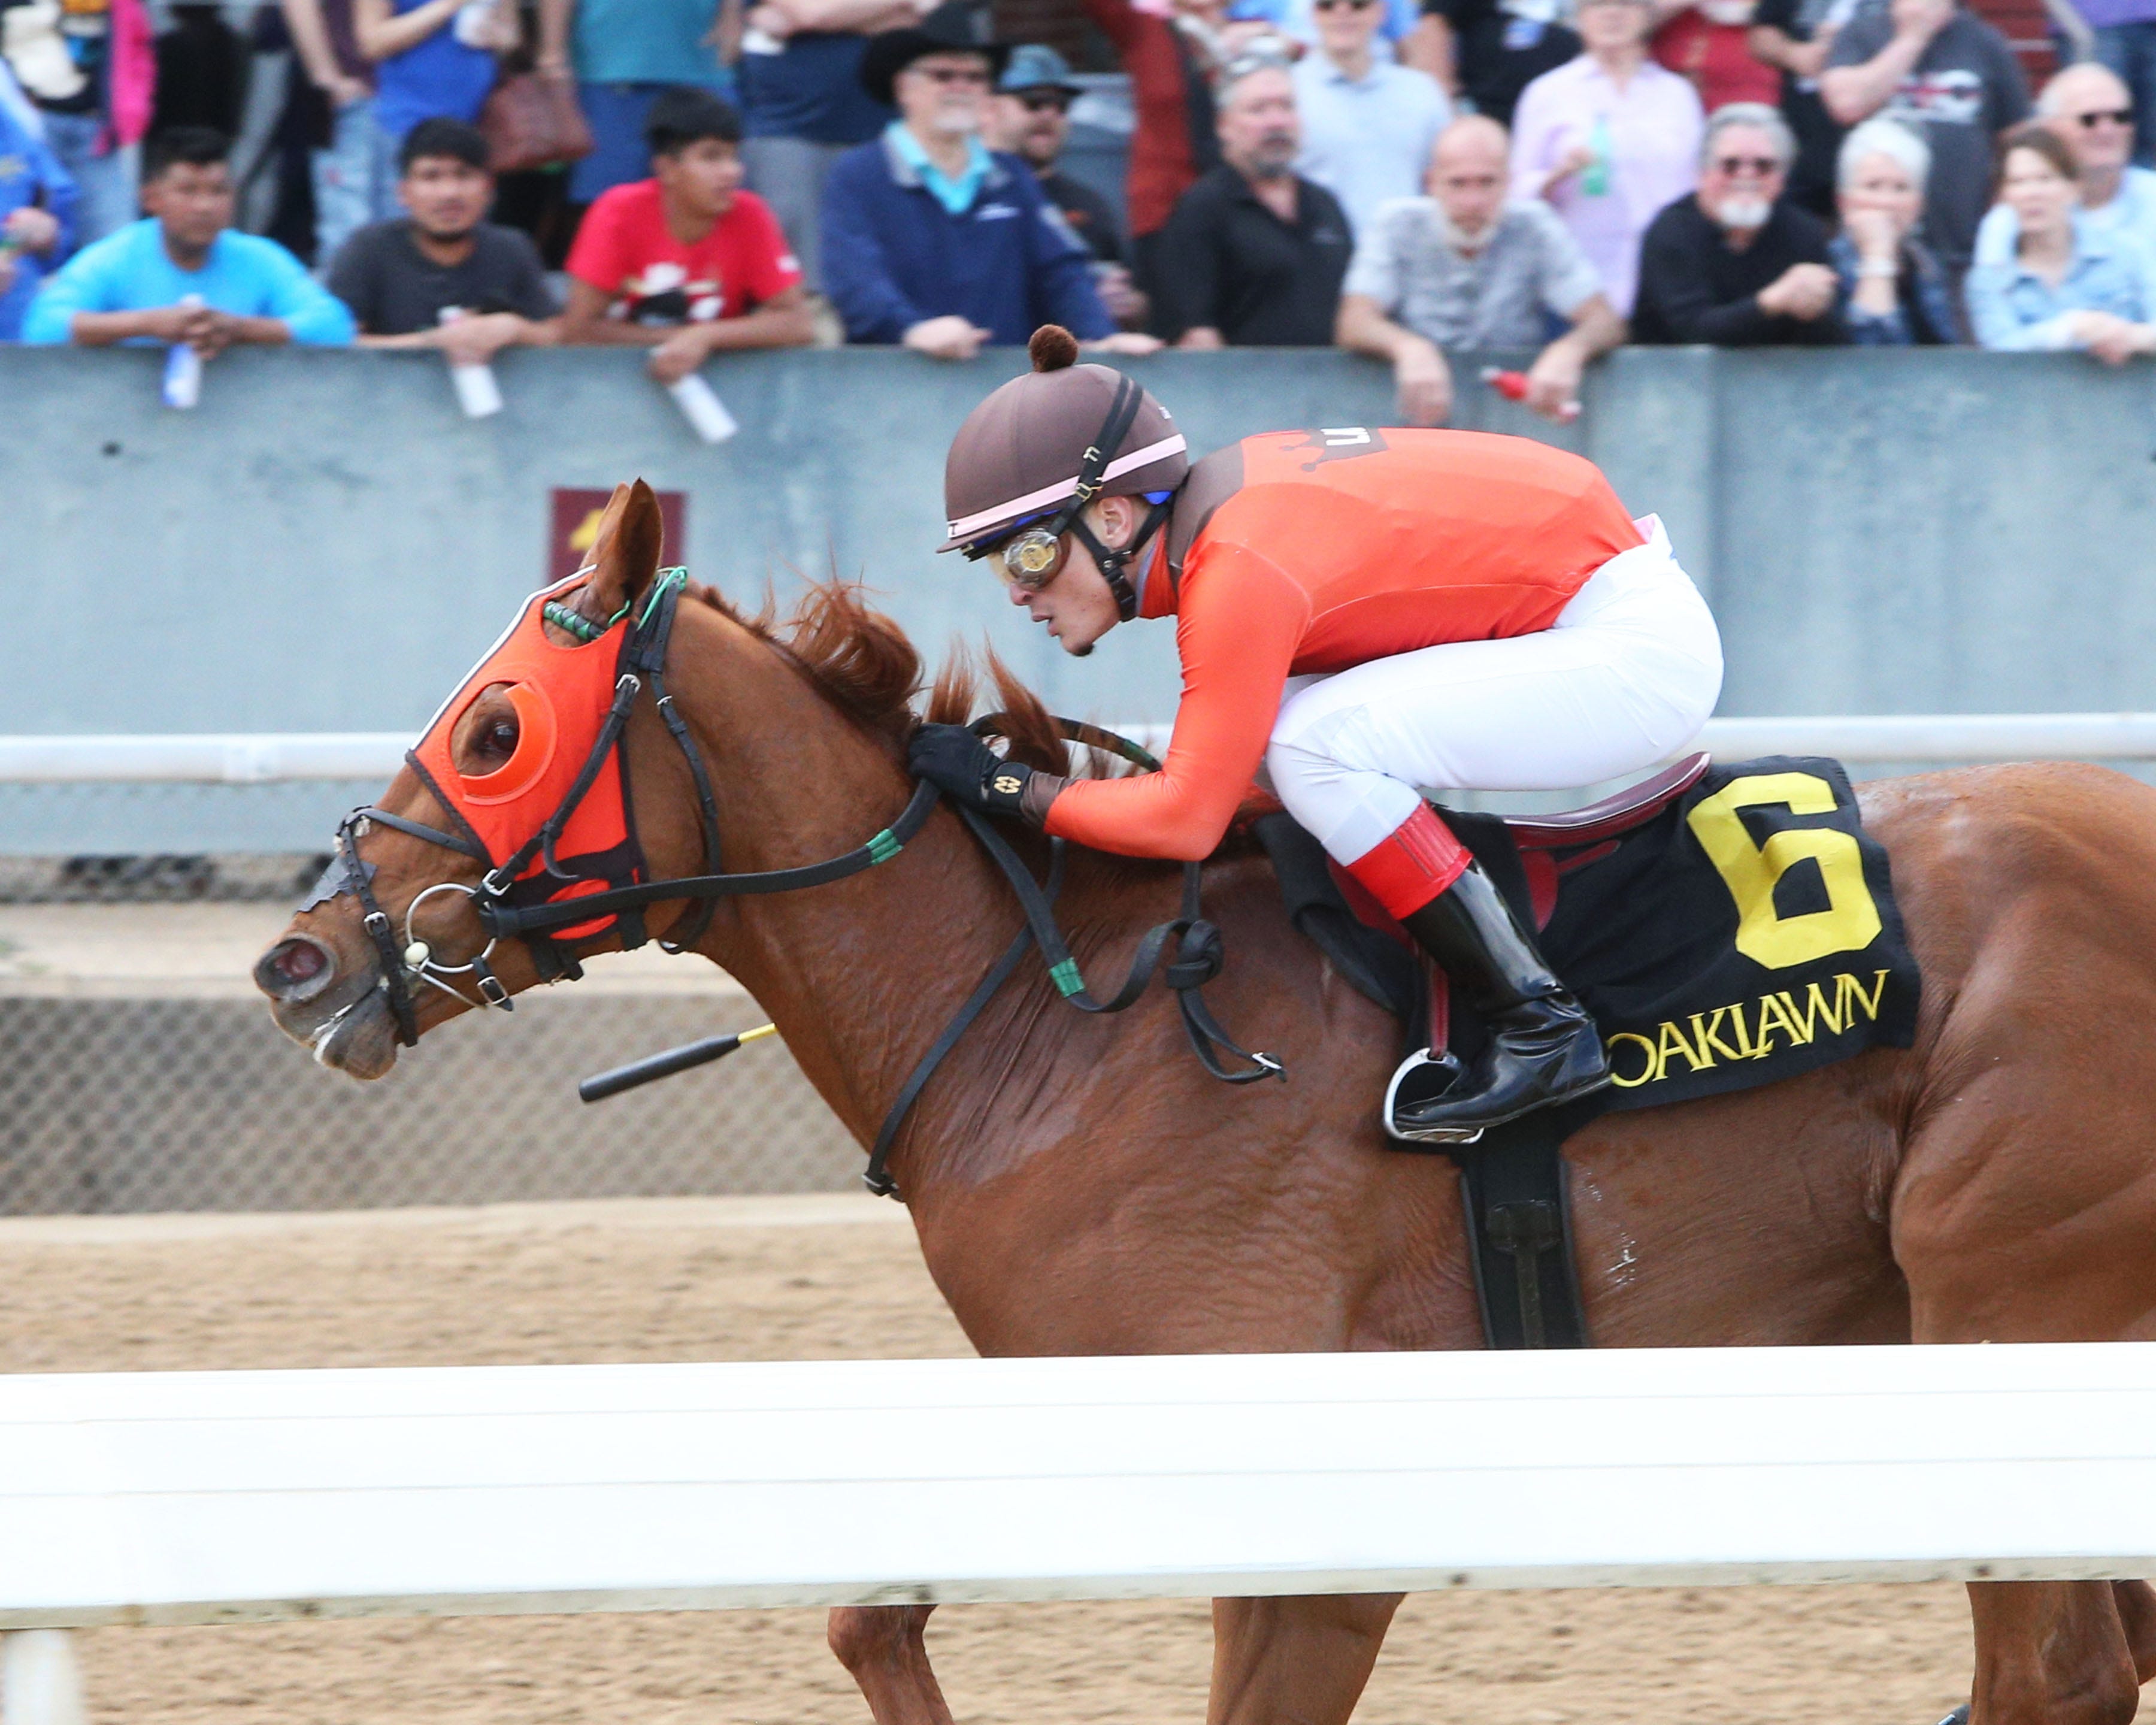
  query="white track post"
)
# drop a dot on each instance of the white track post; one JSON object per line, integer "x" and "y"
{"x": 40, "y": 1683}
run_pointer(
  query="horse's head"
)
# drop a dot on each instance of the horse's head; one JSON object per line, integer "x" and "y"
{"x": 516, "y": 795}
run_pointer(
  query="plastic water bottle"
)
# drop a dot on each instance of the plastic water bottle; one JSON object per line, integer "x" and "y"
{"x": 477, "y": 393}
{"x": 183, "y": 369}
{"x": 702, "y": 409}
{"x": 1594, "y": 179}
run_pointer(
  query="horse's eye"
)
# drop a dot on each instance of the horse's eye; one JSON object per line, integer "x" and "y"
{"x": 499, "y": 738}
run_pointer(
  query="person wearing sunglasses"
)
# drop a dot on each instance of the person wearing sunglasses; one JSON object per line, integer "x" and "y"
{"x": 1362, "y": 611}
{"x": 1030, "y": 119}
{"x": 1737, "y": 264}
{"x": 2121, "y": 38}
{"x": 2088, "y": 108}
{"x": 932, "y": 240}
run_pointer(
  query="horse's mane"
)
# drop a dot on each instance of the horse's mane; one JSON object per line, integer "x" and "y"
{"x": 862, "y": 663}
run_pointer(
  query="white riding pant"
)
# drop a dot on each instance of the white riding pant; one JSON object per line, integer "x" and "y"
{"x": 1623, "y": 679}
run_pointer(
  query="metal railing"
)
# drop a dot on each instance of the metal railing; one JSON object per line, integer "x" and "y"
{"x": 271, "y": 757}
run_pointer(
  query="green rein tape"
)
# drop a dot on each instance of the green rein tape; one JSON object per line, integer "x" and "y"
{"x": 585, "y": 630}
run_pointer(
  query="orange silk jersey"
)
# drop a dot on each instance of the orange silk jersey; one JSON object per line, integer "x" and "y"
{"x": 1316, "y": 551}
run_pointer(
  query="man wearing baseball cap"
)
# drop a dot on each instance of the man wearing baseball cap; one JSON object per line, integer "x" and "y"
{"x": 1030, "y": 119}
{"x": 1364, "y": 612}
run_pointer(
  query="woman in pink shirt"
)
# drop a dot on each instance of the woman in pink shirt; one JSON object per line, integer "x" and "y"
{"x": 1608, "y": 139}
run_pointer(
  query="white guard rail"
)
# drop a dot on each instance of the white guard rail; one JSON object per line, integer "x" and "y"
{"x": 214, "y": 1496}
{"x": 271, "y": 757}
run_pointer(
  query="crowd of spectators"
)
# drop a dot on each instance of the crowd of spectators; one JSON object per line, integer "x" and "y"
{"x": 1553, "y": 176}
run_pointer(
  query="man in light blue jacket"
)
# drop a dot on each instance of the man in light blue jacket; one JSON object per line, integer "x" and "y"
{"x": 182, "y": 274}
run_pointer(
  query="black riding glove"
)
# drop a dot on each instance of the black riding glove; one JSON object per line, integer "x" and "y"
{"x": 951, "y": 756}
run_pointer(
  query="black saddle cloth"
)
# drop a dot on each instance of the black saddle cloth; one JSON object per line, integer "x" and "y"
{"x": 1744, "y": 932}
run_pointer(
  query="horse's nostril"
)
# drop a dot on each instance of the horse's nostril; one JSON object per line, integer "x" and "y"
{"x": 296, "y": 969}
{"x": 296, "y": 960}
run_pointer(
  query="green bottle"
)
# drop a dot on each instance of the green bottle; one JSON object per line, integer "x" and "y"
{"x": 1594, "y": 179}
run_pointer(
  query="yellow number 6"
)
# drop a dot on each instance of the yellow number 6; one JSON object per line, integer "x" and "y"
{"x": 1750, "y": 871}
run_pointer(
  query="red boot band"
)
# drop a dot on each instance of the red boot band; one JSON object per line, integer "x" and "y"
{"x": 1409, "y": 869}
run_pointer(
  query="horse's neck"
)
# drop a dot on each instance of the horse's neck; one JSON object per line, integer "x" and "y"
{"x": 861, "y": 975}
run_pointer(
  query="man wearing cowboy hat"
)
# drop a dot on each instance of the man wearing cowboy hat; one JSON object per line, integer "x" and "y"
{"x": 932, "y": 239}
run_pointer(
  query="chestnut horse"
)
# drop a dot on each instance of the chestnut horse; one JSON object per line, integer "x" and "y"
{"x": 1079, "y": 1186}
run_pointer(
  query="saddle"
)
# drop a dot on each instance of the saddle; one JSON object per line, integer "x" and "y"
{"x": 1726, "y": 926}
{"x": 1380, "y": 959}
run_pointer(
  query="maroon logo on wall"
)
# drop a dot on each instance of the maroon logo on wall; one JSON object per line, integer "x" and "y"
{"x": 576, "y": 526}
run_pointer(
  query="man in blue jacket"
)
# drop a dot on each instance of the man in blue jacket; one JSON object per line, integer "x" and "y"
{"x": 931, "y": 240}
{"x": 182, "y": 274}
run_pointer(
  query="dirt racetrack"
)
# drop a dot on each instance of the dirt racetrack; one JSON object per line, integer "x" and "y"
{"x": 811, "y": 1277}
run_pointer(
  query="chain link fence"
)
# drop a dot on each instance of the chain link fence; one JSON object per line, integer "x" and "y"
{"x": 173, "y": 1090}
{"x": 158, "y": 878}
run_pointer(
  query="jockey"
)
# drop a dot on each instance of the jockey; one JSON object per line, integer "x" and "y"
{"x": 1365, "y": 612}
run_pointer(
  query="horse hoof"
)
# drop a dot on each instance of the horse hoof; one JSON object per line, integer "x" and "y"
{"x": 1959, "y": 1716}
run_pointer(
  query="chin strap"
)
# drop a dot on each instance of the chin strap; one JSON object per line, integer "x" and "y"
{"x": 1122, "y": 414}
{"x": 1114, "y": 565}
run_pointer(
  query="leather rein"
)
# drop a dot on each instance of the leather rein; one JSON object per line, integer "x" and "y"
{"x": 1197, "y": 959}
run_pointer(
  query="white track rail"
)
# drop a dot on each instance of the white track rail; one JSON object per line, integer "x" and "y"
{"x": 272, "y": 758}
{"x": 197, "y": 1497}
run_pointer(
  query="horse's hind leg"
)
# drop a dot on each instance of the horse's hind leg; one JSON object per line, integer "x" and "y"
{"x": 2137, "y": 1614}
{"x": 882, "y": 1647}
{"x": 1294, "y": 1661}
{"x": 2051, "y": 1653}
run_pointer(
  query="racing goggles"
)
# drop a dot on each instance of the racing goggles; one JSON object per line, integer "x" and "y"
{"x": 1034, "y": 556}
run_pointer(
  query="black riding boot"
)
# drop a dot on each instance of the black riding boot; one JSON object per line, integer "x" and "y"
{"x": 1543, "y": 1048}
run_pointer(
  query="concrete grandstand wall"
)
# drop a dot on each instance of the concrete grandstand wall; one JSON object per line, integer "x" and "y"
{"x": 325, "y": 544}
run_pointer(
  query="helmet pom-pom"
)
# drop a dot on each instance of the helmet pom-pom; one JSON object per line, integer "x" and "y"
{"x": 1053, "y": 348}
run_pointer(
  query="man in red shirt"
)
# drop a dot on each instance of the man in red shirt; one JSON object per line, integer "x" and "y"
{"x": 1364, "y": 612}
{"x": 686, "y": 262}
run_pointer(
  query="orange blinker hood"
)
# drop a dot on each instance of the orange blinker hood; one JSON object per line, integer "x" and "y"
{"x": 555, "y": 819}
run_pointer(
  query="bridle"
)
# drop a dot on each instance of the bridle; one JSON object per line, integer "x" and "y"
{"x": 640, "y": 663}
{"x": 1195, "y": 959}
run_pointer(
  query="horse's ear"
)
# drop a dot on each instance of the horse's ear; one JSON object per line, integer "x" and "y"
{"x": 626, "y": 552}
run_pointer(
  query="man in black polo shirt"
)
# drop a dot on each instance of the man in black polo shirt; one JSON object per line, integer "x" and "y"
{"x": 441, "y": 276}
{"x": 1254, "y": 256}
{"x": 1737, "y": 264}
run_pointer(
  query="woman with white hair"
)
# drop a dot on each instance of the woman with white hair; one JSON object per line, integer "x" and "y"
{"x": 1894, "y": 291}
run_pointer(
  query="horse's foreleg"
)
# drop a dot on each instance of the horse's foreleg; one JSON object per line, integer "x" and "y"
{"x": 1294, "y": 1661}
{"x": 882, "y": 1647}
{"x": 2051, "y": 1653}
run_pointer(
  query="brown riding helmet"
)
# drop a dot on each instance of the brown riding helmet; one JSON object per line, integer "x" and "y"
{"x": 1019, "y": 454}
